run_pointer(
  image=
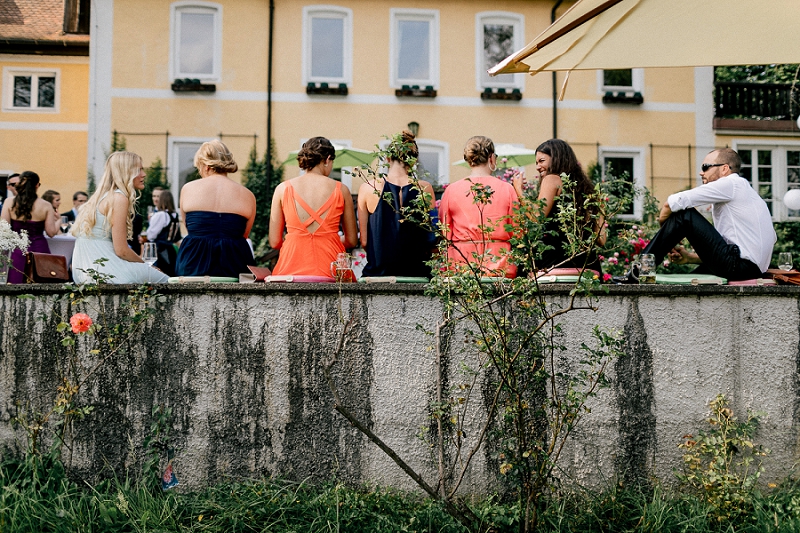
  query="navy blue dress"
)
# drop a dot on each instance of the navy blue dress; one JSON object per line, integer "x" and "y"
{"x": 395, "y": 247}
{"x": 215, "y": 245}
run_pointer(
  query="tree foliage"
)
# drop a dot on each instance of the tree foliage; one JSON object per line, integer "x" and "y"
{"x": 255, "y": 177}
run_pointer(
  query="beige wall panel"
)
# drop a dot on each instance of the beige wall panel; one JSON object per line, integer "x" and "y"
{"x": 669, "y": 85}
{"x": 59, "y": 157}
{"x": 142, "y": 44}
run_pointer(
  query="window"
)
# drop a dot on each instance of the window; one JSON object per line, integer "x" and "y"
{"x": 181, "y": 164}
{"x": 621, "y": 80}
{"x": 432, "y": 163}
{"x": 414, "y": 48}
{"x": 30, "y": 90}
{"x": 772, "y": 170}
{"x": 327, "y": 44}
{"x": 196, "y": 40}
{"x": 497, "y": 35}
{"x": 627, "y": 165}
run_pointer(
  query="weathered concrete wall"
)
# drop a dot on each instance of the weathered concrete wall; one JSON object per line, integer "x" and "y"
{"x": 241, "y": 369}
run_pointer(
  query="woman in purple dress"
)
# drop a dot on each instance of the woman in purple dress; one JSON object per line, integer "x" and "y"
{"x": 35, "y": 216}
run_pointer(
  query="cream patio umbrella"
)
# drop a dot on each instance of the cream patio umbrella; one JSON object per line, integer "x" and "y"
{"x": 617, "y": 34}
{"x": 514, "y": 156}
{"x": 345, "y": 157}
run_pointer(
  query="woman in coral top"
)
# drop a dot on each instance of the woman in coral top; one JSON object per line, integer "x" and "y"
{"x": 477, "y": 231}
{"x": 311, "y": 208}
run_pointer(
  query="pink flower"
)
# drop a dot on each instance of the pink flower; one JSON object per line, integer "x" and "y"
{"x": 666, "y": 262}
{"x": 616, "y": 254}
{"x": 606, "y": 277}
{"x": 80, "y": 322}
{"x": 601, "y": 258}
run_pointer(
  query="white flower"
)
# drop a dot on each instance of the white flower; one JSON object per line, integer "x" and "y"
{"x": 11, "y": 240}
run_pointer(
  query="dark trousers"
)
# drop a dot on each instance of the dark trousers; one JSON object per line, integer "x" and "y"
{"x": 719, "y": 258}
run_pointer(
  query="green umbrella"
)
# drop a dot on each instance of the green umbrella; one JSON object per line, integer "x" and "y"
{"x": 514, "y": 156}
{"x": 345, "y": 157}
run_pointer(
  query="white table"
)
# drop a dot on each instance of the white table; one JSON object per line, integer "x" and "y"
{"x": 62, "y": 245}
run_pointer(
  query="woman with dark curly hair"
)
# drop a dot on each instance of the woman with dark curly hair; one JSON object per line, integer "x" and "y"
{"x": 553, "y": 158}
{"x": 395, "y": 246}
{"x": 312, "y": 208}
{"x": 27, "y": 212}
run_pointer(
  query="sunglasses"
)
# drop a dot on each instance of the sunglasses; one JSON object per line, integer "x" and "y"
{"x": 706, "y": 166}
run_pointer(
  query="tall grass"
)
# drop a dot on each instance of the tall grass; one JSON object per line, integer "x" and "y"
{"x": 37, "y": 496}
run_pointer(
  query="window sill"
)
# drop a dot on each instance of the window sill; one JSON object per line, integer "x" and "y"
{"x": 740, "y": 124}
{"x": 187, "y": 85}
{"x": 623, "y": 97}
{"x": 324, "y": 88}
{"x": 501, "y": 94}
{"x": 414, "y": 91}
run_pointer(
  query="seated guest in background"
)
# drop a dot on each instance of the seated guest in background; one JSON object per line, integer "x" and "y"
{"x": 30, "y": 213}
{"x": 155, "y": 196}
{"x": 739, "y": 244}
{"x": 53, "y": 197}
{"x": 463, "y": 217}
{"x": 312, "y": 208}
{"x": 219, "y": 214}
{"x": 11, "y": 185}
{"x": 105, "y": 224}
{"x": 165, "y": 231}
{"x": 395, "y": 247}
{"x": 553, "y": 158}
{"x": 78, "y": 199}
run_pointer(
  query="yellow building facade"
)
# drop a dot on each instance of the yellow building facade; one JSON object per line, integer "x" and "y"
{"x": 45, "y": 94}
{"x": 170, "y": 75}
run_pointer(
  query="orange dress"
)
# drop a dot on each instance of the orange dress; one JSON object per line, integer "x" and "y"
{"x": 306, "y": 253}
{"x": 464, "y": 219}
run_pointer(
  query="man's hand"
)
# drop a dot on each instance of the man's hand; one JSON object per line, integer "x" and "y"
{"x": 665, "y": 213}
{"x": 681, "y": 256}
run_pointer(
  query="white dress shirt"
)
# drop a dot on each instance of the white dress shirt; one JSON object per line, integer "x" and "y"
{"x": 740, "y": 215}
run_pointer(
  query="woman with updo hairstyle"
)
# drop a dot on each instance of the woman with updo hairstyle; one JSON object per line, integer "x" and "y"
{"x": 219, "y": 214}
{"x": 394, "y": 246}
{"x": 26, "y": 212}
{"x": 553, "y": 158}
{"x": 104, "y": 226}
{"x": 312, "y": 208}
{"x": 463, "y": 218}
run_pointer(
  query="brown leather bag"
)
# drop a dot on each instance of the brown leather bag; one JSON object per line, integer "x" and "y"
{"x": 783, "y": 277}
{"x": 46, "y": 268}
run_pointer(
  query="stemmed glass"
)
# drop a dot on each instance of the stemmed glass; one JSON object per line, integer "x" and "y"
{"x": 149, "y": 253}
{"x": 64, "y": 224}
{"x": 785, "y": 261}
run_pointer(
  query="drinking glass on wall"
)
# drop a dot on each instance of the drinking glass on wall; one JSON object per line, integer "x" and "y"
{"x": 149, "y": 253}
{"x": 785, "y": 261}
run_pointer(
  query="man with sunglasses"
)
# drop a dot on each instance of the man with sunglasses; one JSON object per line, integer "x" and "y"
{"x": 739, "y": 244}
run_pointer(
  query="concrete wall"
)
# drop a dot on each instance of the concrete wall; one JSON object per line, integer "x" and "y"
{"x": 241, "y": 369}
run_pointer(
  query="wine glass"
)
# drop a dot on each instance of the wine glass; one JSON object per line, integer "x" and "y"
{"x": 149, "y": 253}
{"x": 64, "y": 224}
{"x": 785, "y": 261}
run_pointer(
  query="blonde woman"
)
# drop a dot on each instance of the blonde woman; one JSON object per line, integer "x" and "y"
{"x": 219, "y": 214}
{"x": 105, "y": 224}
{"x": 477, "y": 232}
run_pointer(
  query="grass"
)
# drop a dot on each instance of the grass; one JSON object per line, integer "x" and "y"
{"x": 36, "y": 497}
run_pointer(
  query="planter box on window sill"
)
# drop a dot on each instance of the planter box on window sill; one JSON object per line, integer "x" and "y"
{"x": 324, "y": 88}
{"x": 501, "y": 94}
{"x": 623, "y": 97}
{"x": 415, "y": 91}
{"x": 187, "y": 85}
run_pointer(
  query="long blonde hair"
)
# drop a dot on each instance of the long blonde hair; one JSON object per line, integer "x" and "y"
{"x": 120, "y": 170}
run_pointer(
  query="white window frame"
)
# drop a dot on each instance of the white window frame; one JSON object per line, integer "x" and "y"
{"x": 517, "y": 81}
{"x": 346, "y": 14}
{"x": 9, "y": 73}
{"x": 780, "y": 213}
{"x": 174, "y": 169}
{"x": 637, "y": 78}
{"x": 639, "y": 178}
{"x": 428, "y": 15}
{"x": 442, "y": 150}
{"x": 174, "y": 57}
